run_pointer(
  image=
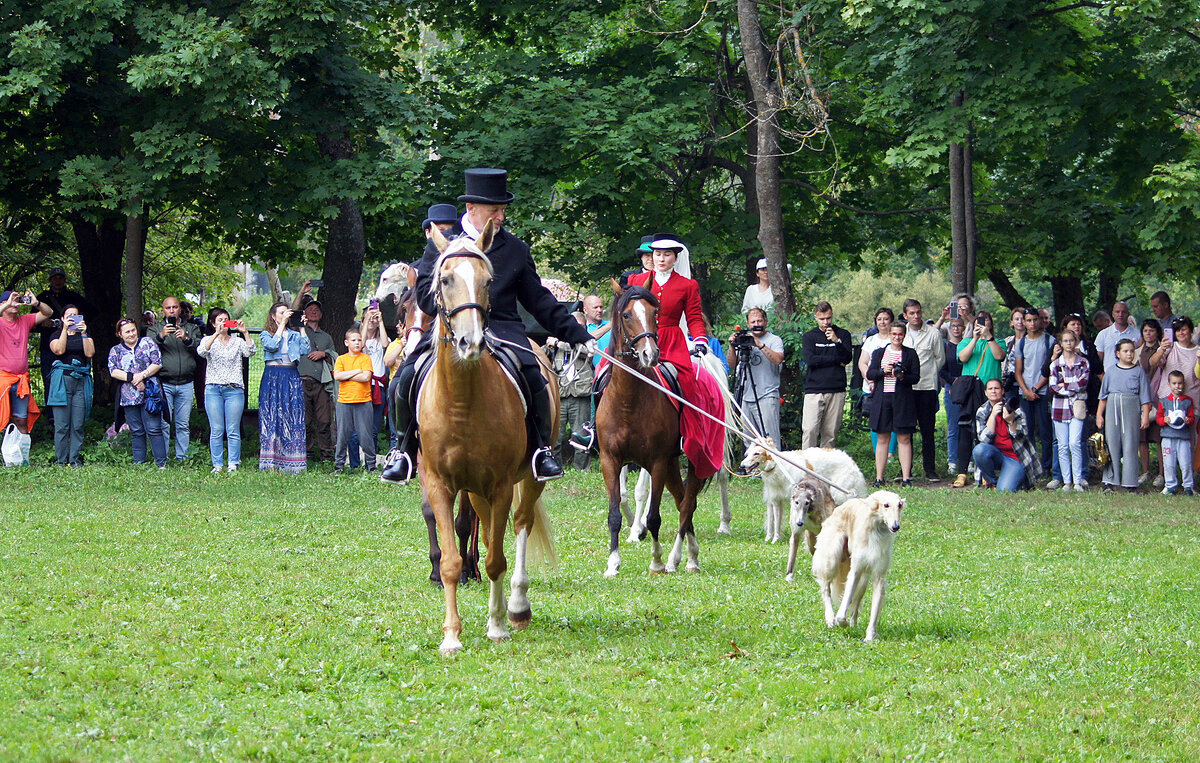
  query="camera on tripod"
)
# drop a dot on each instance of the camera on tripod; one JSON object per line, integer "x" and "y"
{"x": 742, "y": 339}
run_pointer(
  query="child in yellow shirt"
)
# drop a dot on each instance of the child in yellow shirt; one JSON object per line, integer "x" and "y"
{"x": 354, "y": 410}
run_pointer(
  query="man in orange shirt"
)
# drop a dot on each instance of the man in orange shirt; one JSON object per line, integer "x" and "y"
{"x": 354, "y": 410}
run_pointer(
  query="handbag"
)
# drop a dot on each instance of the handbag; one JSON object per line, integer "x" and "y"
{"x": 153, "y": 403}
{"x": 15, "y": 447}
{"x": 1079, "y": 408}
{"x": 966, "y": 388}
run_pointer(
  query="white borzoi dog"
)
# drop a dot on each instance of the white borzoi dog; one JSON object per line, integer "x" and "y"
{"x": 811, "y": 506}
{"x": 855, "y": 545}
{"x": 779, "y": 477}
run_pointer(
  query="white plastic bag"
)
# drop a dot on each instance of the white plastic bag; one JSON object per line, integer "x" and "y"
{"x": 15, "y": 447}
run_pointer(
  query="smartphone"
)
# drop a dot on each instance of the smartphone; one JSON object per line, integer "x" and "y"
{"x": 25, "y": 300}
{"x": 1168, "y": 334}
{"x": 75, "y": 320}
{"x": 373, "y": 304}
{"x": 982, "y": 321}
{"x": 231, "y": 324}
{"x": 953, "y": 309}
{"x": 316, "y": 283}
{"x": 294, "y": 321}
{"x": 172, "y": 321}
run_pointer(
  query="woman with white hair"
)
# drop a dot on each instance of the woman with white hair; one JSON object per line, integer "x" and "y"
{"x": 759, "y": 294}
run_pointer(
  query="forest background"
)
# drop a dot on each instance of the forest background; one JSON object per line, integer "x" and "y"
{"x": 1029, "y": 152}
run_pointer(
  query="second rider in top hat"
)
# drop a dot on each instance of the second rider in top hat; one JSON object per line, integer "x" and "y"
{"x": 515, "y": 281}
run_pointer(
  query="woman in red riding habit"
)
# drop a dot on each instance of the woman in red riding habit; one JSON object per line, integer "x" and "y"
{"x": 679, "y": 295}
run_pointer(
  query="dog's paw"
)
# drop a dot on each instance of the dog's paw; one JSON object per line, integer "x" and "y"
{"x": 791, "y": 576}
{"x": 871, "y": 635}
{"x": 840, "y": 622}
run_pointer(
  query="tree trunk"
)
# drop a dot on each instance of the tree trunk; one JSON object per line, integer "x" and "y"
{"x": 971, "y": 234}
{"x": 958, "y": 220}
{"x": 274, "y": 285}
{"x": 344, "y": 252}
{"x": 767, "y": 103}
{"x": 100, "y": 247}
{"x": 1068, "y": 298}
{"x": 1106, "y": 287}
{"x": 135, "y": 257}
{"x": 1009, "y": 296}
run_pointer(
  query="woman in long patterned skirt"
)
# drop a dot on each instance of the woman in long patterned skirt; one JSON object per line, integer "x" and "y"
{"x": 281, "y": 395}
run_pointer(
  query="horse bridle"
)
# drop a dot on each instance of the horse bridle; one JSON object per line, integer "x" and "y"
{"x": 445, "y": 314}
{"x": 630, "y": 344}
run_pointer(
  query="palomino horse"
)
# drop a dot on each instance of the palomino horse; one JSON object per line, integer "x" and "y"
{"x": 466, "y": 397}
{"x": 466, "y": 523}
{"x": 637, "y": 423}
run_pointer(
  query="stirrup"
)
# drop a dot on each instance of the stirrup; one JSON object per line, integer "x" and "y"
{"x": 398, "y": 468}
{"x": 554, "y": 469}
{"x": 585, "y": 439}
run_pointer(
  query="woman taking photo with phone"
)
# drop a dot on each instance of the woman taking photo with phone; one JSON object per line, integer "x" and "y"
{"x": 281, "y": 394}
{"x": 224, "y": 389}
{"x": 134, "y": 361}
{"x": 70, "y": 392}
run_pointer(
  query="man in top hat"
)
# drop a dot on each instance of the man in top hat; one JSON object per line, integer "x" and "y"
{"x": 444, "y": 216}
{"x": 515, "y": 280}
{"x": 647, "y": 254}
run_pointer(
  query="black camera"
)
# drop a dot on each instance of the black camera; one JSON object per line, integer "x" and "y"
{"x": 742, "y": 339}
{"x": 1012, "y": 404}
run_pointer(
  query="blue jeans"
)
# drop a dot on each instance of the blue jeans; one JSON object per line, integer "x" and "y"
{"x": 1041, "y": 429}
{"x": 989, "y": 459}
{"x": 952, "y": 411}
{"x": 224, "y": 403}
{"x": 1069, "y": 435}
{"x": 145, "y": 426}
{"x": 179, "y": 402}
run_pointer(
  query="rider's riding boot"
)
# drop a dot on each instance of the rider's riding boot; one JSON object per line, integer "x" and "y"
{"x": 585, "y": 439}
{"x": 400, "y": 466}
{"x": 545, "y": 464}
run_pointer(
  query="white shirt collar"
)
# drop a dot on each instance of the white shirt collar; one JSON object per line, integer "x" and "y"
{"x": 661, "y": 278}
{"x": 468, "y": 229}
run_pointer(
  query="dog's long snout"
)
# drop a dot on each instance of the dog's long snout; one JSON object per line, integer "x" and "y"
{"x": 895, "y": 527}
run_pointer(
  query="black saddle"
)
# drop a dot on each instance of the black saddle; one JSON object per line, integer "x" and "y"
{"x": 668, "y": 376}
{"x": 504, "y": 355}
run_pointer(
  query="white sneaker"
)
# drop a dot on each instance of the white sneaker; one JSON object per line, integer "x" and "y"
{"x": 1166, "y": 491}
{"x": 1081, "y": 488}
{"x": 1054, "y": 484}
{"x": 232, "y": 468}
{"x": 1066, "y": 488}
{"x": 1159, "y": 481}
{"x": 952, "y": 468}
{"x": 216, "y": 470}
{"x": 1143, "y": 477}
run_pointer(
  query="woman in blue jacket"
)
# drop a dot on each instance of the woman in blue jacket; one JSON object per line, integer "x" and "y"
{"x": 281, "y": 395}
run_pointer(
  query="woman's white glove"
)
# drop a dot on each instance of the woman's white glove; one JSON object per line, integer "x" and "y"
{"x": 592, "y": 347}
{"x": 699, "y": 346}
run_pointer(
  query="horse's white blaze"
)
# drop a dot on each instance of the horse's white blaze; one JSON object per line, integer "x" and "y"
{"x": 614, "y": 564}
{"x": 465, "y": 270}
{"x": 518, "y": 602}
{"x": 641, "y": 310}
{"x": 497, "y": 628}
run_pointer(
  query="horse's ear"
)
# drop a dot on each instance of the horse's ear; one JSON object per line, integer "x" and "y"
{"x": 438, "y": 239}
{"x": 412, "y": 275}
{"x": 484, "y": 242}
{"x": 616, "y": 286}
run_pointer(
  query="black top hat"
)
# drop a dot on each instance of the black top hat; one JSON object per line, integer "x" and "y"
{"x": 487, "y": 186}
{"x": 644, "y": 247}
{"x": 440, "y": 213}
{"x": 666, "y": 241}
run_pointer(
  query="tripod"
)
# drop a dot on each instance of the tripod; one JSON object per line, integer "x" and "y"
{"x": 745, "y": 356}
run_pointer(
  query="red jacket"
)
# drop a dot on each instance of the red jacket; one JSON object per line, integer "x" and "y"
{"x": 679, "y": 296}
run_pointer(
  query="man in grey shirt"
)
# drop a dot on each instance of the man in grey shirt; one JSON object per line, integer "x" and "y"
{"x": 762, "y": 355}
{"x": 1033, "y": 353}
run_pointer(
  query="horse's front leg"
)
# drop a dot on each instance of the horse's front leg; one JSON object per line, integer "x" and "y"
{"x": 625, "y": 512}
{"x": 441, "y": 502}
{"x": 674, "y": 483}
{"x": 614, "y": 480}
{"x": 520, "y": 613}
{"x": 493, "y": 522}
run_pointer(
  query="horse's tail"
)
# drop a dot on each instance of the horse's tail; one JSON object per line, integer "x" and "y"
{"x": 541, "y": 536}
{"x": 733, "y": 443}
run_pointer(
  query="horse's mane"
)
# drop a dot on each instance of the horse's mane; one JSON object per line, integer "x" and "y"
{"x": 630, "y": 294}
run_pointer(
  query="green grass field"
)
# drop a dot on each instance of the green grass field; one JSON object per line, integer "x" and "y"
{"x": 175, "y": 615}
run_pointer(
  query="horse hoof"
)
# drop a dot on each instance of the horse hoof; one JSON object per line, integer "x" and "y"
{"x": 841, "y": 622}
{"x": 724, "y": 530}
{"x": 670, "y": 570}
{"x": 789, "y": 577}
{"x": 520, "y": 620}
{"x": 610, "y": 573}
{"x": 499, "y": 639}
{"x": 449, "y": 647}
{"x": 690, "y": 568}
{"x": 658, "y": 570}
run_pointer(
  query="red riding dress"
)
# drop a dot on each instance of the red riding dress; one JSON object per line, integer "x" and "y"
{"x": 703, "y": 439}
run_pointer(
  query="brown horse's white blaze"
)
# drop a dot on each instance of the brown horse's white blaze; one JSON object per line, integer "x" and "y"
{"x": 465, "y": 397}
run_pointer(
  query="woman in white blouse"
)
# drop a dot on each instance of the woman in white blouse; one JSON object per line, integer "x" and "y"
{"x": 759, "y": 294}
{"x": 224, "y": 388}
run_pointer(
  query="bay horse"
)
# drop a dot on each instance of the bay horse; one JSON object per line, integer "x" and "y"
{"x": 639, "y": 424}
{"x": 465, "y": 401}
{"x": 399, "y": 281}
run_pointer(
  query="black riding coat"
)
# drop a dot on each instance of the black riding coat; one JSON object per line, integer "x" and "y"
{"x": 515, "y": 281}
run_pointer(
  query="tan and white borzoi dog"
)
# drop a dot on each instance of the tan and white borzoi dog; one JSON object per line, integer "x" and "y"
{"x": 811, "y": 506}
{"x": 856, "y": 544}
{"x": 779, "y": 477}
